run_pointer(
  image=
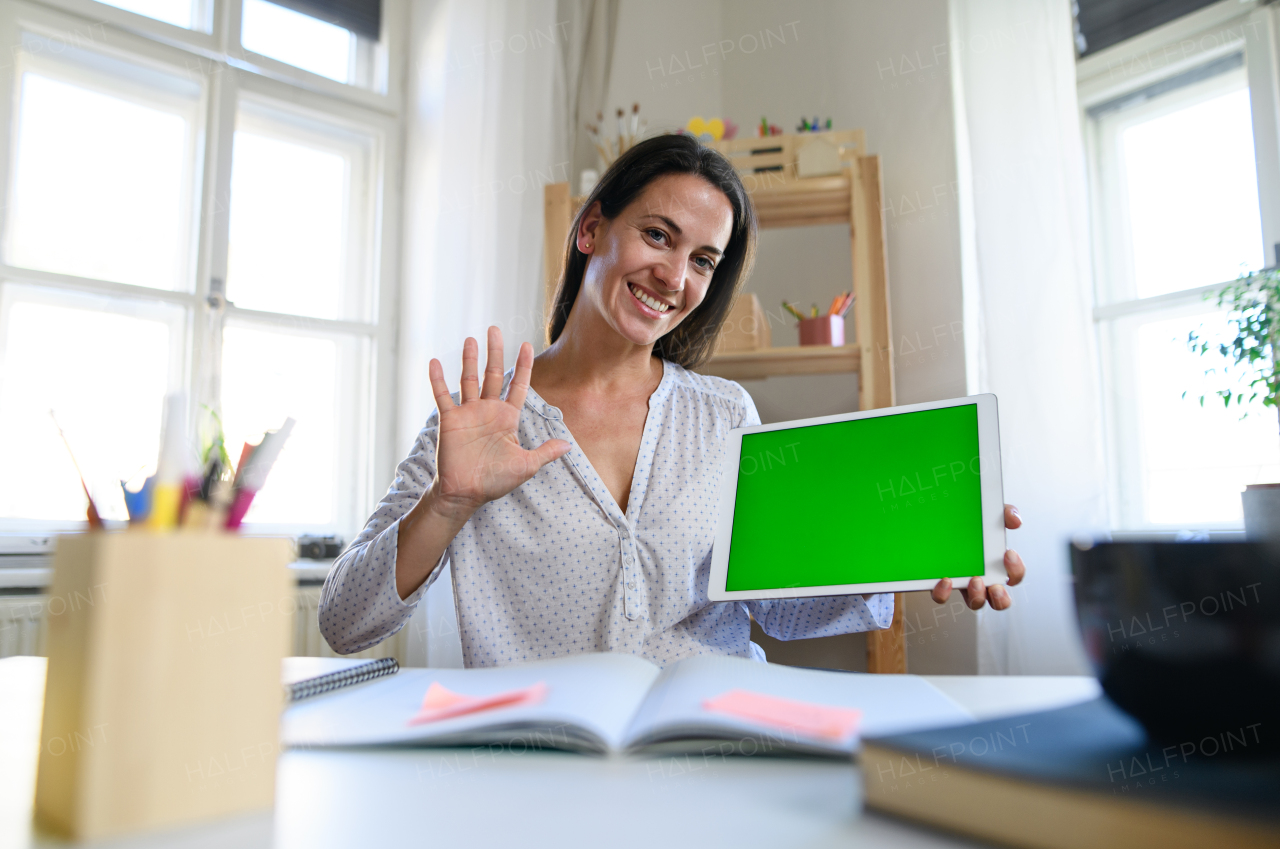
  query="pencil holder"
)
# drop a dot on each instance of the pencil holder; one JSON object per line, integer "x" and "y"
{"x": 163, "y": 696}
{"x": 823, "y": 330}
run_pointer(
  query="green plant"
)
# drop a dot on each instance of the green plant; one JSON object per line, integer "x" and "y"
{"x": 1254, "y": 317}
{"x": 211, "y": 440}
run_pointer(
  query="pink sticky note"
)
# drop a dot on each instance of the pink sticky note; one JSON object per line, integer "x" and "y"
{"x": 833, "y": 723}
{"x": 442, "y": 703}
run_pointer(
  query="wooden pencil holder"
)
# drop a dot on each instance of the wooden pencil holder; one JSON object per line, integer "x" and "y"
{"x": 163, "y": 697}
{"x": 823, "y": 330}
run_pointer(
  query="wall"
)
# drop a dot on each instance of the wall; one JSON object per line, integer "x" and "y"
{"x": 663, "y": 66}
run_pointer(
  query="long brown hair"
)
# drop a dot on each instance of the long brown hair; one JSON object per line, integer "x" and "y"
{"x": 693, "y": 340}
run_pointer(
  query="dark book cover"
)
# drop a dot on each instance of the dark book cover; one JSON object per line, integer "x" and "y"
{"x": 1097, "y": 748}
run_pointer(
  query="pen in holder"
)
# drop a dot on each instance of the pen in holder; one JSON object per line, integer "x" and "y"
{"x": 823, "y": 330}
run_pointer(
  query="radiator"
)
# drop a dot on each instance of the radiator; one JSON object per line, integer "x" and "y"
{"x": 22, "y": 625}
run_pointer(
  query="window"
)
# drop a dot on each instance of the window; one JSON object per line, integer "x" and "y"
{"x": 178, "y": 223}
{"x": 297, "y": 39}
{"x": 1174, "y": 174}
{"x": 180, "y": 13}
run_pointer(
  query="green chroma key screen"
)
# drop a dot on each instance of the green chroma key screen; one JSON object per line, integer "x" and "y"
{"x": 891, "y": 498}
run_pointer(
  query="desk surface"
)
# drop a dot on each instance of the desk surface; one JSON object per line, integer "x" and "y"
{"x": 474, "y": 797}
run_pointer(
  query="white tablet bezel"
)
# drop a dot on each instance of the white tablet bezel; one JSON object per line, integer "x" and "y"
{"x": 993, "y": 530}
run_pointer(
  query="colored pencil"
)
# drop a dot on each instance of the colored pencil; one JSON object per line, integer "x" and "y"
{"x": 792, "y": 310}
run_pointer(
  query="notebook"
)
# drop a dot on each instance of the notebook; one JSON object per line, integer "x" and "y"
{"x": 1084, "y": 775}
{"x": 303, "y": 680}
{"x": 619, "y": 702}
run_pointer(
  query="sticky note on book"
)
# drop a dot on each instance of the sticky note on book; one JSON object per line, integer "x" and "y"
{"x": 442, "y": 703}
{"x": 807, "y": 718}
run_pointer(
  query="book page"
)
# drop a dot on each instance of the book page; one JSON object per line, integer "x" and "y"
{"x": 890, "y": 704}
{"x": 589, "y": 702}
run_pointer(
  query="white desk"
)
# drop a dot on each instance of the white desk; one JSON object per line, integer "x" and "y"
{"x": 396, "y": 799}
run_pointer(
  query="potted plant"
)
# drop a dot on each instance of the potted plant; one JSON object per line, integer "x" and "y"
{"x": 1254, "y": 318}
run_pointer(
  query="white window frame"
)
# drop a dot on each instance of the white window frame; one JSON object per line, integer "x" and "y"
{"x": 1193, "y": 41}
{"x": 225, "y": 72}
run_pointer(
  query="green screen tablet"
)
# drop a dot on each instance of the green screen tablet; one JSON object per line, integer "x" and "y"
{"x": 887, "y": 499}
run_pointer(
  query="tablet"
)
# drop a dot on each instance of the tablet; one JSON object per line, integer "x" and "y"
{"x": 877, "y": 501}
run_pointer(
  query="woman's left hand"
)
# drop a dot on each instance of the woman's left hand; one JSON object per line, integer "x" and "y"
{"x": 976, "y": 594}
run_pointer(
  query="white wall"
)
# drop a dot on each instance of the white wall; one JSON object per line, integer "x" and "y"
{"x": 658, "y": 61}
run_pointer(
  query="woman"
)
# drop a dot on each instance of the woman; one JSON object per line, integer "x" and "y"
{"x": 575, "y": 496}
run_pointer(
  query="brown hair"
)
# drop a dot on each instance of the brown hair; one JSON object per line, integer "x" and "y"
{"x": 692, "y": 341}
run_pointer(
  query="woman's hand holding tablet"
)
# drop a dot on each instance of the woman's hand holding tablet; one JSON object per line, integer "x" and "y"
{"x": 976, "y": 593}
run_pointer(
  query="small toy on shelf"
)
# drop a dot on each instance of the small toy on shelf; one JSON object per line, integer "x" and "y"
{"x": 717, "y": 129}
{"x": 766, "y": 129}
{"x": 705, "y": 131}
{"x": 815, "y": 126}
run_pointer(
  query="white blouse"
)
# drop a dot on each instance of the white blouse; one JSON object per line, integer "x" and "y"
{"x": 556, "y": 568}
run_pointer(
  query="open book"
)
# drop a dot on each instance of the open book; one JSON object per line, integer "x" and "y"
{"x": 616, "y": 703}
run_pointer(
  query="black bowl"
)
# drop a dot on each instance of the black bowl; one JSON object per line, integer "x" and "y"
{"x": 1185, "y": 636}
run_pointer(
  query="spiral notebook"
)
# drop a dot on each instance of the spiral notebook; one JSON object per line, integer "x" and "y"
{"x": 305, "y": 677}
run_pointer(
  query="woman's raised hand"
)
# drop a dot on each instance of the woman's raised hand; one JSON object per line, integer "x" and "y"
{"x": 478, "y": 457}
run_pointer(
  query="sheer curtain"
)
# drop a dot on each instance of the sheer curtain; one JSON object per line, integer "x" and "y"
{"x": 1028, "y": 300}
{"x": 481, "y": 140}
{"x": 586, "y": 57}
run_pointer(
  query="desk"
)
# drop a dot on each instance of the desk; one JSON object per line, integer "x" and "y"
{"x": 474, "y": 798}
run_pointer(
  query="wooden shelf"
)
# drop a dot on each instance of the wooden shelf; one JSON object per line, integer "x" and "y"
{"x": 782, "y": 202}
{"x": 775, "y": 362}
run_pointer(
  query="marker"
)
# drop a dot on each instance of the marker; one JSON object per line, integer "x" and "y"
{"x": 171, "y": 472}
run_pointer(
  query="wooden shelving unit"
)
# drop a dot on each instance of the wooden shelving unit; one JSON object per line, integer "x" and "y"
{"x": 784, "y": 199}
{"x": 779, "y": 362}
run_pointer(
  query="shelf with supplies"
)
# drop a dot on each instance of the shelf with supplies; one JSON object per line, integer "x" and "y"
{"x": 779, "y": 362}
{"x": 798, "y": 180}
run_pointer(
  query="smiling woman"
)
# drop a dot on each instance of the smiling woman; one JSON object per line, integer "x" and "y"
{"x": 575, "y": 496}
{"x": 694, "y": 175}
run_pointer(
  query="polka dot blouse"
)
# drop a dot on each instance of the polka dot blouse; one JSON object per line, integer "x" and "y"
{"x": 556, "y": 568}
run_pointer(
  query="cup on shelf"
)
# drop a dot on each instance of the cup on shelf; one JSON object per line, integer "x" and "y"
{"x": 823, "y": 330}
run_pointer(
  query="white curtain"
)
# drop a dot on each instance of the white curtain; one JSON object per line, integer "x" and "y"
{"x": 1027, "y": 281}
{"x": 481, "y": 141}
{"x": 586, "y": 59}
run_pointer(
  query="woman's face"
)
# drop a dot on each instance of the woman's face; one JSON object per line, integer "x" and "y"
{"x": 651, "y": 266}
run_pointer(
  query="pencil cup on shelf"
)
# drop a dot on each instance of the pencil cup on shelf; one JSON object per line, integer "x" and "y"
{"x": 823, "y": 330}
{"x": 163, "y": 697}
